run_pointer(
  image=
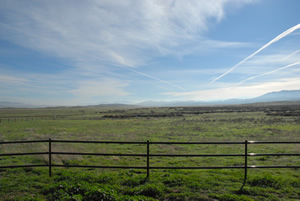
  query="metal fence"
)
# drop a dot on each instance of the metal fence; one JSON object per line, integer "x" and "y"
{"x": 36, "y": 117}
{"x": 147, "y": 166}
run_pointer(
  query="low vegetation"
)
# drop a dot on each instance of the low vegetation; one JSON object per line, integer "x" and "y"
{"x": 231, "y": 123}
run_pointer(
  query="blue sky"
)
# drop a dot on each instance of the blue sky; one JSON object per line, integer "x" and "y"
{"x": 127, "y": 51}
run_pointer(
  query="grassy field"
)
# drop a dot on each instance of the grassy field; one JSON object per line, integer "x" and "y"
{"x": 278, "y": 122}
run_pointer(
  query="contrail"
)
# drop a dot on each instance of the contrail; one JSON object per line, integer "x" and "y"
{"x": 280, "y": 36}
{"x": 144, "y": 74}
{"x": 267, "y": 73}
{"x": 295, "y": 52}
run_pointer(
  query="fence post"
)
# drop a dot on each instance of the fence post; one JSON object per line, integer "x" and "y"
{"x": 148, "y": 150}
{"x": 50, "y": 160}
{"x": 246, "y": 164}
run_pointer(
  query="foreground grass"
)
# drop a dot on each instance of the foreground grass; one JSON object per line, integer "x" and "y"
{"x": 34, "y": 184}
{"x": 183, "y": 124}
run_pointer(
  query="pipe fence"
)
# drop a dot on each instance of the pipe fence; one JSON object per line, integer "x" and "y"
{"x": 36, "y": 117}
{"x": 147, "y": 166}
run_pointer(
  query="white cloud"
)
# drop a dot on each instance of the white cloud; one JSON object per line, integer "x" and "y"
{"x": 68, "y": 88}
{"x": 123, "y": 32}
{"x": 248, "y": 91}
{"x": 269, "y": 72}
{"x": 277, "y": 38}
{"x": 291, "y": 55}
{"x": 98, "y": 38}
{"x": 8, "y": 79}
{"x": 277, "y": 58}
{"x": 102, "y": 88}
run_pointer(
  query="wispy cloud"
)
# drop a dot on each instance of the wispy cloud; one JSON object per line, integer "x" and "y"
{"x": 113, "y": 33}
{"x": 109, "y": 47}
{"x": 268, "y": 73}
{"x": 277, "y": 38}
{"x": 99, "y": 89}
{"x": 12, "y": 80}
{"x": 248, "y": 91}
{"x": 160, "y": 80}
{"x": 260, "y": 64}
{"x": 68, "y": 88}
{"x": 290, "y": 55}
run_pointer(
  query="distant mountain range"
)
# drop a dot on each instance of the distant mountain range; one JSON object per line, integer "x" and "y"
{"x": 286, "y": 95}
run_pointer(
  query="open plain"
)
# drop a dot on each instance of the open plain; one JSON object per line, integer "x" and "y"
{"x": 235, "y": 123}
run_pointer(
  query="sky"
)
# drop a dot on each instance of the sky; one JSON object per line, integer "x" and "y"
{"x": 73, "y": 52}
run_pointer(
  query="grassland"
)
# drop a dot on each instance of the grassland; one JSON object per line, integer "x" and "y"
{"x": 231, "y": 123}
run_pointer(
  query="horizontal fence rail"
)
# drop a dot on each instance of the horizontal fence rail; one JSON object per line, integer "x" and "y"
{"x": 37, "y": 117}
{"x": 147, "y": 167}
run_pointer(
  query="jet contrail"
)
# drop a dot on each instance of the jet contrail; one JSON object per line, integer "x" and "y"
{"x": 295, "y": 52}
{"x": 267, "y": 73}
{"x": 280, "y": 36}
{"x": 144, "y": 74}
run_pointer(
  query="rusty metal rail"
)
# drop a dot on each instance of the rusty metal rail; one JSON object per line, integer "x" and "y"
{"x": 147, "y": 167}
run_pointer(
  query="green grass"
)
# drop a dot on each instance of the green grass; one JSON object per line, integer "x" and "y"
{"x": 215, "y": 124}
{"x": 69, "y": 184}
